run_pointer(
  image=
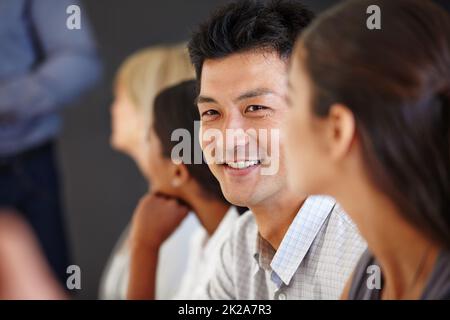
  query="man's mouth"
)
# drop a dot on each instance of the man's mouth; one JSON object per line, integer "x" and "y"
{"x": 240, "y": 165}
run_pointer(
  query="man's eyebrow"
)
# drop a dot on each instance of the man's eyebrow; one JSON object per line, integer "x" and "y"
{"x": 246, "y": 95}
{"x": 254, "y": 93}
{"x": 204, "y": 99}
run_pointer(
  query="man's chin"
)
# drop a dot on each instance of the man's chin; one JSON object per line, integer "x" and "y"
{"x": 237, "y": 199}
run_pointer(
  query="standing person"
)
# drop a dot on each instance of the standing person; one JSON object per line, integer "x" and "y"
{"x": 375, "y": 125}
{"x": 43, "y": 66}
{"x": 288, "y": 246}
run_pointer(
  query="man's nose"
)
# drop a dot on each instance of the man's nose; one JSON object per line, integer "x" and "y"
{"x": 233, "y": 120}
{"x": 235, "y": 129}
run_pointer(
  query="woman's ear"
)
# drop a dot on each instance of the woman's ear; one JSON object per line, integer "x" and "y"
{"x": 342, "y": 130}
{"x": 180, "y": 175}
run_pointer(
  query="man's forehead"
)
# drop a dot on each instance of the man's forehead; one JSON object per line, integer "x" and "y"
{"x": 244, "y": 73}
{"x": 238, "y": 63}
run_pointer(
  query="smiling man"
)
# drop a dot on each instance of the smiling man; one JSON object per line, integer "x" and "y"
{"x": 288, "y": 246}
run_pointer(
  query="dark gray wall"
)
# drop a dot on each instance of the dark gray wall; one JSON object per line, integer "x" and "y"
{"x": 101, "y": 186}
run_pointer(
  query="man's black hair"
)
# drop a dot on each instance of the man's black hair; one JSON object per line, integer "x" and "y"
{"x": 246, "y": 25}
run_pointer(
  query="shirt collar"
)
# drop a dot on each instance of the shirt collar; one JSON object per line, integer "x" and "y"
{"x": 264, "y": 253}
{"x": 300, "y": 236}
{"x": 297, "y": 240}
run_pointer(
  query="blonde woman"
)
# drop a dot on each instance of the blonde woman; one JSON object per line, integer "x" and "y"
{"x": 137, "y": 82}
{"x": 139, "y": 79}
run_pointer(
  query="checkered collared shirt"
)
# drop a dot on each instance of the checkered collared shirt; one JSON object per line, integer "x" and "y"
{"x": 313, "y": 261}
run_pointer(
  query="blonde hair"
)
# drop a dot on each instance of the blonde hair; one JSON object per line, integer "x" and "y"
{"x": 148, "y": 71}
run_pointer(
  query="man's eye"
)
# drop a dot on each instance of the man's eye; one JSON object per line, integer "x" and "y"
{"x": 254, "y": 108}
{"x": 209, "y": 114}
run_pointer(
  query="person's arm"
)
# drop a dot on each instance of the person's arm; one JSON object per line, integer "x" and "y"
{"x": 24, "y": 273}
{"x": 69, "y": 66}
{"x": 154, "y": 220}
{"x": 142, "y": 282}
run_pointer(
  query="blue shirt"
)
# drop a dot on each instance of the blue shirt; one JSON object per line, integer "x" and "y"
{"x": 43, "y": 66}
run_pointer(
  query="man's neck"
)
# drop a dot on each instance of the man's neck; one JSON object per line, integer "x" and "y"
{"x": 275, "y": 215}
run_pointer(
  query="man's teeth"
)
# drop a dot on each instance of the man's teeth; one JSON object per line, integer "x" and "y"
{"x": 242, "y": 164}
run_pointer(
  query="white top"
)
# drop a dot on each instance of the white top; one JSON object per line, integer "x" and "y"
{"x": 172, "y": 261}
{"x": 204, "y": 253}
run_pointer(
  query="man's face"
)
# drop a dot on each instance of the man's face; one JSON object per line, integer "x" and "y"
{"x": 242, "y": 97}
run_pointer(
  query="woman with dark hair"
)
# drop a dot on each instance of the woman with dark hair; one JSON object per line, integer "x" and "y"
{"x": 180, "y": 183}
{"x": 369, "y": 125}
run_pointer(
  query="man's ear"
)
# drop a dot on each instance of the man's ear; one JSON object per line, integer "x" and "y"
{"x": 342, "y": 130}
{"x": 180, "y": 175}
